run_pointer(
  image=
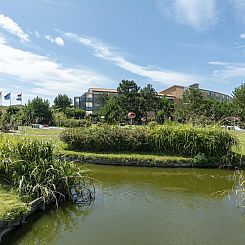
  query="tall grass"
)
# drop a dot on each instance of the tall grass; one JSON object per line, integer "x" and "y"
{"x": 28, "y": 165}
{"x": 183, "y": 140}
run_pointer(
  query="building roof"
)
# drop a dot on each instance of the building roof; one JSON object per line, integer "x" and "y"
{"x": 103, "y": 90}
{"x": 174, "y": 86}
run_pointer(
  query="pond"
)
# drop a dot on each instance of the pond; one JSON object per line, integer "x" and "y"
{"x": 146, "y": 206}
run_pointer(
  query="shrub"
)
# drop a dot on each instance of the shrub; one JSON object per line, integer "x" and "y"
{"x": 28, "y": 165}
{"x": 170, "y": 139}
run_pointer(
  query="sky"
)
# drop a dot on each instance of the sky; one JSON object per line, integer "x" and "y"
{"x": 48, "y": 47}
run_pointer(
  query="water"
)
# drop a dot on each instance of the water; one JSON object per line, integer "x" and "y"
{"x": 146, "y": 206}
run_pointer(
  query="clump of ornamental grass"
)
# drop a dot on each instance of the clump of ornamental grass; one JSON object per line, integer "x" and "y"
{"x": 29, "y": 167}
{"x": 185, "y": 140}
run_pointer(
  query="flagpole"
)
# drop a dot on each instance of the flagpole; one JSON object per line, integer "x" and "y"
{"x": 21, "y": 98}
{"x": 10, "y": 98}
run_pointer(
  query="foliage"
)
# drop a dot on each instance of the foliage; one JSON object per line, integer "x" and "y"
{"x": 28, "y": 165}
{"x": 71, "y": 123}
{"x": 62, "y": 102}
{"x": 10, "y": 119}
{"x": 166, "y": 109}
{"x": 191, "y": 105}
{"x": 37, "y": 111}
{"x": 149, "y": 100}
{"x": 239, "y": 100}
{"x": 128, "y": 97}
{"x": 75, "y": 113}
{"x": 112, "y": 111}
{"x": 144, "y": 102}
{"x": 170, "y": 139}
{"x": 79, "y": 113}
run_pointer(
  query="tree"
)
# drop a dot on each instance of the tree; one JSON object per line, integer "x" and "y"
{"x": 149, "y": 100}
{"x": 129, "y": 97}
{"x": 111, "y": 111}
{"x": 191, "y": 105}
{"x": 166, "y": 108}
{"x": 239, "y": 100}
{"x": 37, "y": 111}
{"x": 10, "y": 119}
{"x": 62, "y": 101}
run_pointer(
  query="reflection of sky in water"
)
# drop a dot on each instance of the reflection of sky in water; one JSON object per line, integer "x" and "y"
{"x": 147, "y": 206}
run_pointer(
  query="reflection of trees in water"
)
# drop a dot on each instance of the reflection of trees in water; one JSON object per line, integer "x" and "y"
{"x": 52, "y": 225}
{"x": 64, "y": 219}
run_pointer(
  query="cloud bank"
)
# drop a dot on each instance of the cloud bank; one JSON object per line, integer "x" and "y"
{"x": 12, "y": 27}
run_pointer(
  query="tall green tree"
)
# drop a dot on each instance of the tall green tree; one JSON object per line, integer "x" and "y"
{"x": 129, "y": 97}
{"x": 112, "y": 112}
{"x": 191, "y": 105}
{"x": 37, "y": 111}
{"x": 149, "y": 100}
{"x": 239, "y": 100}
{"x": 61, "y": 102}
{"x": 166, "y": 108}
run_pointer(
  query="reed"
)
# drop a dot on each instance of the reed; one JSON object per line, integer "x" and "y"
{"x": 29, "y": 167}
{"x": 184, "y": 140}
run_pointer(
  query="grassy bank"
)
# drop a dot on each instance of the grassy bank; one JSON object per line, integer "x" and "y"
{"x": 11, "y": 205}
{"x": 127, "y": 158}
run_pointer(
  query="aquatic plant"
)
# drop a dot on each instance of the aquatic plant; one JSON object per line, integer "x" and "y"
{"x": 28, "y": 165}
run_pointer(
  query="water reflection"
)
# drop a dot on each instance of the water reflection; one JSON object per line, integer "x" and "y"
{"x": 146, "y": 206}
{"x": 54, "y": 223}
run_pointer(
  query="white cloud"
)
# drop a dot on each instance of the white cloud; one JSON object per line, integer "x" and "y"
{"x": 199, "y": 14}
{"x": 158, "y": 75}
{"x": 228, "y": 70}
{"x": 37, "y": 34}
{"x": 44, "y": 75}
{"x": 58, "y": 40}
{"x": 12, "y": 27}
{"x": 242, "y": 36}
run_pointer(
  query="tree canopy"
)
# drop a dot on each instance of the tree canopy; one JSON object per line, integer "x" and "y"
{"x": 37, "y": 111}
{"x": 62, "y": 101}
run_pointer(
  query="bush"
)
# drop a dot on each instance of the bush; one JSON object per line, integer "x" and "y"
{"x": 170, "y": 139}
{"x": 28, "y": 165}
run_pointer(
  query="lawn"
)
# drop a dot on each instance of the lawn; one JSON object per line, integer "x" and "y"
{"x": 11, "y": 206}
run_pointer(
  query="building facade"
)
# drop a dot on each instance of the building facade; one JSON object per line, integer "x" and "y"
{"x": 89, "y": 101}
{"x": 177, "y": 92}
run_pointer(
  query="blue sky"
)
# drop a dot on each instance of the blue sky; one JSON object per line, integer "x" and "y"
{"x": 67, "y": 46}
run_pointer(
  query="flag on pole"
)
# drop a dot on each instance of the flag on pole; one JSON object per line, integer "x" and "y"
{"x": 19, "y": 97}
{"x": 7, "y": 96}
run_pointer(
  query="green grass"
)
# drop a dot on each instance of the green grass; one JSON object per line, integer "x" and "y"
{"x": 126, "y": 156}
{"x": 26, "y": 130}
{"x": 11, "y": 206}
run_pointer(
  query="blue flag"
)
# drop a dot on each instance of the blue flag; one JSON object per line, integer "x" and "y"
{"x": 7, "y": 96}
